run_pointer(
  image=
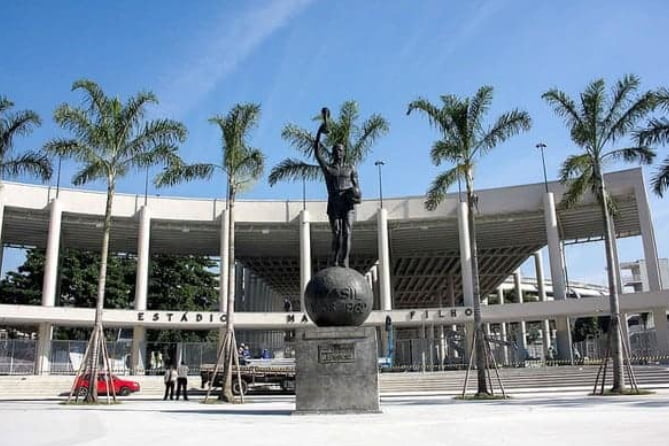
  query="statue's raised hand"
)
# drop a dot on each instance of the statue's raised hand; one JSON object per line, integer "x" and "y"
{"x": 325, "y": 126}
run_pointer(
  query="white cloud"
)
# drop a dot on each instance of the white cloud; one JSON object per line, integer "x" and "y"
{"x": 233, "y": 40}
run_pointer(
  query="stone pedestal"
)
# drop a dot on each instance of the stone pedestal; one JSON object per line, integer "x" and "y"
{"x": 337, "y": 370}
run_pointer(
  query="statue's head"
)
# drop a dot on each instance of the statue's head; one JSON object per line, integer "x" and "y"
{"x": 338, "y": 152}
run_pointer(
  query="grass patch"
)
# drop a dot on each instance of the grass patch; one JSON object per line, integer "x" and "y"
{"x": 624, "y": 393}
{"x": 482, "y": 397}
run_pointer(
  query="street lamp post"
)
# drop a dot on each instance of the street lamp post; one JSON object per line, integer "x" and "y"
{"x": 60, "y": 161}
{"x": 146, "y": 187}
{"x": 541, "y": 146}
{"x": 379, "y": 164}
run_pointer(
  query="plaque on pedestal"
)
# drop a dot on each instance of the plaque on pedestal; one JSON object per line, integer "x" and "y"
{"x": 337, "y": 370}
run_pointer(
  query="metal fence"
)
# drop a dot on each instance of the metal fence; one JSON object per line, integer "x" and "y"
{"x": 17, "y": 357}
{"x": 66, "y": 356}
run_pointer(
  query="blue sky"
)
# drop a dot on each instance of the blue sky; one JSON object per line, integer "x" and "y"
{"x": 295, "y": 56}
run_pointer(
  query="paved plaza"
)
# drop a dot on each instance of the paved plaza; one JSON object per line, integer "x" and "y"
{"x": 538, "y": 419}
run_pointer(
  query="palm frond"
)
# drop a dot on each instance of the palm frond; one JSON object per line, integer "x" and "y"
{"x": 445, "y": 150}
{"x": 620, "y": 98}
{"x": 299, "y": 138}
{"x": 159, "y": 132}
{"x": 564, "y": 107}
{"x": 70, "y": 148}
{"x": 95, "y": 98}
{"x": 5, "y": 104}
{"x": 433, "y": 114}
{"x": 575, "y": 166}
{"x": 77, "y": 121}
{"x": 133, "y": 112}
{"x": 180, "y": 172}
{"x": 593, "y": 100}
{"x": 641, "y": 154}
{"x": 344, "y": 128}
{"x": 660, "y": 180}
{"x": 576, "y": 188}
{"x": 372, "y": 129}
{"x": 32, "y": 163}
{"x": 160, "y": 154}
{"x": 251, "y": 166}
{"x": 507, "y": 125}
{"x": 135, "y": 108}
{"x": 480, "y": 104}
{"x": 656, "y": 132}
{"x": 437, "y": 191}
{"x": 293, "y": 170}
{"x": 96, "y": 170}
{"x": 662, "y": 98}
{"x": 630, "y": 117}
{"x": 17, "y": 124}
{"x": 442, "y": 119}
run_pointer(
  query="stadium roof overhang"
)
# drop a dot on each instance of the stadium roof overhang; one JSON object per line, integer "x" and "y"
{"x": 424, "y": 245}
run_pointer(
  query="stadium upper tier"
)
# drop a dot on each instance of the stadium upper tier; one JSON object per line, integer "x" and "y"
{"x": 424, "y": 245}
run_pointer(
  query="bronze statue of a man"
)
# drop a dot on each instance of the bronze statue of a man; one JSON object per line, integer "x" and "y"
{"x": 341, "y": 180}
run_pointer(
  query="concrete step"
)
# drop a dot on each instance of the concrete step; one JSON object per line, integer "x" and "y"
{"x": 17, "y": 387}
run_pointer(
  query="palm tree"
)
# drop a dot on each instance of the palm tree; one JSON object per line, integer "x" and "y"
{"x": 657, "y": 132}
{"x": 111, "y": 138}
{"x": 464, "y": 140}
{"x": 16, "y": 124}
{"x": 357, "y": 139}
{"x": 600, "y": 122}
{"x": 242, "y": 164}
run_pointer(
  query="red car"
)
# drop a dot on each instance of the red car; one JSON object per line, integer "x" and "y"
{"x": 122, "y": 387}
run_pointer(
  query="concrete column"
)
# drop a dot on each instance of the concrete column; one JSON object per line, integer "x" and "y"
{"x": 384, "y": 260}
{"x": 422, "y": 342}
{"x": 563, "y": 335}
{"x": 383, "y": 341}
{"x": 52, "y": 251}
{"x": 49, "y": 284}
{"x": 661, "y": 330}
{"x": 648, "y": 238}
{"x": 545, "y": 324}
{"x": 42, "y": 361}
{"x": 465, "y": 255}
{"x": 451, "y": 290}
{"x": 442, "y": 347}
{"x": 374, "y": 283}
{"x": 519, "y": 291}
{"x": 305, "y": 254}
{"x": 502, "y": 328}
{"x": 430, "y": 346}
{"x": 141, "y": 289}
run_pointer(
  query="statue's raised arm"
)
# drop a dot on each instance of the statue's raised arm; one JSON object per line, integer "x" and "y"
{"x": 325, "y": 112}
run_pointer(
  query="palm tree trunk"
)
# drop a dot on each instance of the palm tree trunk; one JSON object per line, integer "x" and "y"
{"x": 481, "y": 368}
{"x": 614, "y": 293}
{"x": 230, "y": 346}
{"x": 99, "y": 305}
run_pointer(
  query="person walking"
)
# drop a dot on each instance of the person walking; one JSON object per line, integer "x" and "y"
{"x": 182, "y": 380}
{"x": 170, "y": 380}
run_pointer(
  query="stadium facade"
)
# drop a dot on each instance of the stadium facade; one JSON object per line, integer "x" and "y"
{"x": 418, "y": 261}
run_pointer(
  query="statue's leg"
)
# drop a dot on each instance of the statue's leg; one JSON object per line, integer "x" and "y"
{"x": 335, "y": 227}
{"x": 347, "y": 224}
